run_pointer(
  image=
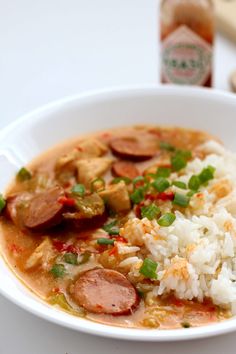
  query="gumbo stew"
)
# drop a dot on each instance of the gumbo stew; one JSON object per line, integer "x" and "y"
{"x": 65, "y": 220}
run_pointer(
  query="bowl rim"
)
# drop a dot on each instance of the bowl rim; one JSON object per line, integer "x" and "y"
{"x": 83, "y": 325}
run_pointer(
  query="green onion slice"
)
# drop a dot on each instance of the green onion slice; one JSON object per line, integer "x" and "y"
{"x": 178, "y": 162}
{"x": 78, "y": 189}
{"x": 167, "y": 219}
{"x": 58, "y": 270}
{"x": 138, "y": 179}
{"x": 98, "y": 185}
{"x": 179, "y": 184}
{"x": 70, "y": 258}
{"x": 84, "y": 257}
{"x": 111, "y": 228}
{"x": 185, "y": 153}
{"x": 150, "y": 211}
{"x": 2, "y": 203}
{"x": 23, "y": 175}
{"x": 179, "y": 159}
{"x": 191, "y": 193}
{"x": 161, "y": 184}
{"x": 194, "y": 183}
{"x": 163, "y": 172}
{"x": 166, "y": 146}
{"x": 207, "y": 174}
{"x": 148, "y": 268}
{"x": 105, "y": 241}
{"x": 138, "y": 195}
{"x": 181, "y": 200}
{"x": 116, "y": 180}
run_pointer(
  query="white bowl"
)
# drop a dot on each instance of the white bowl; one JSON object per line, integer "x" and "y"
{"x": 32, "y": 134}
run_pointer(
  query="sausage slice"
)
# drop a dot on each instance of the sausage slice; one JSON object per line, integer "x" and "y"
{"x": 43, "y": 210}
{"x": 105, "y": 291}
{"x": 132, "y": 149}
{"x": 125, "y": 169}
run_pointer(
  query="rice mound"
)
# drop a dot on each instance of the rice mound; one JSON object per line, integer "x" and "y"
{"x": 196, "y": 254}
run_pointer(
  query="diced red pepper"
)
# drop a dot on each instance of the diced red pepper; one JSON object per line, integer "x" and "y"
{"x": 67, "y": 184}
{"x": 113, "y": 251}
{"x": 161, "y": 196}
{"x": 63, "y": 247}
{"x": 120, "y": 239}
{"x": 137, "y": 209}
{"x": 177, "y": 302}
{"x": 66, "y": 201}
{"x": 151, "y": 197}
{"x": 56, "y": 290}
{"x": 165, "y": 165}
{"x": 165, "y": 196}
{"x": 15, "y": 248}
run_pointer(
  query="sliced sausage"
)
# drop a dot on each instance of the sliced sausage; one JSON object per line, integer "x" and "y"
{"x": 125, "y": 169}
{"x": 105, "y": 291}
{"x": 44, "y": 210}
{"x": 132, "y": 149}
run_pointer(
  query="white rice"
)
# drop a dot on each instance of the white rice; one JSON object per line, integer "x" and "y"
{"x": 196, "y": 254}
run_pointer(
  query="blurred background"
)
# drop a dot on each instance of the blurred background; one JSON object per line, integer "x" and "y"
{"x": 54, "y": 48}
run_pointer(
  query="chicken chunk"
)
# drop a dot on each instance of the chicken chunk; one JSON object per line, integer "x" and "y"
{"x": 42, "y": 255}
{"x": 87, "y": 148}
{"x": 117, "y": 197}
{"x": 90, "y": 169}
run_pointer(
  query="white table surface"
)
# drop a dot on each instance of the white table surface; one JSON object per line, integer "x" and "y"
{"x": 55, "y": 48}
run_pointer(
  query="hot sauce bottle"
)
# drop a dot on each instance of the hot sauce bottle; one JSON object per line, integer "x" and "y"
{"x": 187, "y": 36}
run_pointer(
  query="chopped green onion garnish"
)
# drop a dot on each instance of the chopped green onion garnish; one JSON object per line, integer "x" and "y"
{"x": 138, "y": 195}
{"x": 58, "y": 270}
{"x": 98, "y": 185}
{"x": 78, "y": 189}
{"x": 191, "y": 193}
{"x": 166, "y": 146}
{"x": 114, "y": 231}
{"x": 70, "y": 258}
{"x": 185, "y": 153}
{"x": 148, "y": 268}
{"x": 178, "y": 162}
{"x": 151, "y": 211}
{"x": 105, "y": 241}
{"x": 84, "y": 257}
{"x": 111, "y": 228}
{"x": 185, "y": 324}
{"x": 163, "y": 172}
{"x": 2, "y": 203}
{"x": 207, "y": 174}
{"x": 138, "y": 179}
{"x": 140, "y": 293}
{"x": 167, "y": 219}
{"x": 23, "y": 174}
{"x": 179, "y": 159}
{"x": 179, "y": 184}
{"x": 181, "y": 200}
{"x": 116, "y": 180}
{"x": 161, "y": 184}
{"x": 194, "y": 183}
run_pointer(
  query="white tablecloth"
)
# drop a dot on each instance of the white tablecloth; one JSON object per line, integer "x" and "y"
{"x": 55, "y": 48}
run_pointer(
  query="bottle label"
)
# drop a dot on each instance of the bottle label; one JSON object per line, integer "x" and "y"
{"x": 186, "y": 58}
